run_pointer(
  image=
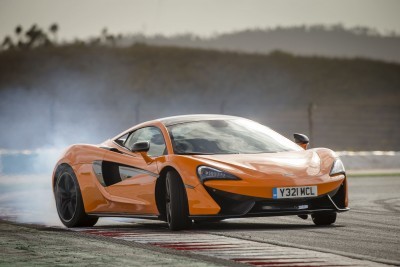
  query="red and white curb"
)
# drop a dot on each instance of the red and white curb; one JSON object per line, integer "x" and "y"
{"x": 229, "y": 248}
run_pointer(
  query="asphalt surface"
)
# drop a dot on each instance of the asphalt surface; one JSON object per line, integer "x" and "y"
{"x": 369, "y": 231}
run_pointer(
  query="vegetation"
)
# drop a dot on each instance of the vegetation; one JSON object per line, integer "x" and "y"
{"x": 31, "y": 38}
{"x": 36, "y": 37}
{"x": 86, "y": 93}
{"x": 322, "y": 40}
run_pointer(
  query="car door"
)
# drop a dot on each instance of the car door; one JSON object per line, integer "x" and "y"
{"x": 130, "y": 179}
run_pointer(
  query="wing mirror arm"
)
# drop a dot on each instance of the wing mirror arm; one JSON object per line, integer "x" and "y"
{"x": 146, "y": 157}
{"x": 142, "y": 148}
{"x": 301, "y": 139}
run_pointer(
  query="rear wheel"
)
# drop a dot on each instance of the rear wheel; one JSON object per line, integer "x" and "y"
{"x": 69, "y": 200}
{"x": 324, "y": 218}
{"x": 177, "y": 210}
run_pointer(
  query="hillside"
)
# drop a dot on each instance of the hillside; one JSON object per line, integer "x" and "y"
{"x": 62, "y": 95}
{"x": 317, "y": 40}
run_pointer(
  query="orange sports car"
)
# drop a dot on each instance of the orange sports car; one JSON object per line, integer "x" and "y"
{"x": 199, "y": 168}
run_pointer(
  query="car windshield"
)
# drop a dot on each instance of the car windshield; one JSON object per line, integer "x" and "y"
{"x": 234, "y": 136}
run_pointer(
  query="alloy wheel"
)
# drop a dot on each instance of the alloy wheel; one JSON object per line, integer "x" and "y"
{"x": 168, "y": 201}
{"x": 66, "y": 197}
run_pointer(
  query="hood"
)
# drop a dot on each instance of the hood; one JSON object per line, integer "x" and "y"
{"x": 293, "y": 163}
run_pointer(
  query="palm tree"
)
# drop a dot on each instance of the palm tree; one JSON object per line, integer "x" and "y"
{"x": 18, "y": 32}
{"x": 104, "y": 34}
{"x": 54, "y": 29}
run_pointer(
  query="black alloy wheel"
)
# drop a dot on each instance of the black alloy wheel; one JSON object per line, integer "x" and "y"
{"x": 66, "y": 197}
{"x": 176, "y": 203}
{"x": 69, "y": 201}
{"x": 168, "y": 201}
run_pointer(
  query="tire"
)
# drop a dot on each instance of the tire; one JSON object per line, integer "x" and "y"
{"x": 177, "y": 211}
{"x": 69, "y": 202}
{"x": 324, "y": 218}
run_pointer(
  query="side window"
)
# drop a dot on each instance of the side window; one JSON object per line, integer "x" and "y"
{"x": 151, "y": 134}
{"x": 121, "y": 140}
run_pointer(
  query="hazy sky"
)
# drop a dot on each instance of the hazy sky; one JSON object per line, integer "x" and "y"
{"x": 80, "y": 18}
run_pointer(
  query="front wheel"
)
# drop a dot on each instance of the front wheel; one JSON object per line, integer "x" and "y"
{"x": 69, "y": 200}
{"x": 177, "y": 210}
{"x": 324, "y": 218}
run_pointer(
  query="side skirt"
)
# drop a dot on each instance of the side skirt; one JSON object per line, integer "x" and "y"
{"x": 126, "y": 215}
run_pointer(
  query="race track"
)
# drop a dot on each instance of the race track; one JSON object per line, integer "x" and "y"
{"x": 368, "y": 235}
{"x": 370, "y": 230}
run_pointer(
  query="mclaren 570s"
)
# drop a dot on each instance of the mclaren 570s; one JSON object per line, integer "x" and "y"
{"x": 199, "y": 168}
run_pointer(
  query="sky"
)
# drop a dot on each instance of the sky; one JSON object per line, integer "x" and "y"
{"x": 86, "y": 18}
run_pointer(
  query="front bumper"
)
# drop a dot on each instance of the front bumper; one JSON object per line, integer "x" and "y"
{"x": 237, "y": 206}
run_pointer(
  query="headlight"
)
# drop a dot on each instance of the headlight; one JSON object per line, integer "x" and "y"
{"x": 208, "y": 173}
{"x": 337, "y": 168}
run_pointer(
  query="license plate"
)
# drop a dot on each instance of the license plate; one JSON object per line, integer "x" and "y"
{"x": 293, "y": 192}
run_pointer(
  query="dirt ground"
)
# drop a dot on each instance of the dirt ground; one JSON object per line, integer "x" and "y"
{"x": 39, "y": 246}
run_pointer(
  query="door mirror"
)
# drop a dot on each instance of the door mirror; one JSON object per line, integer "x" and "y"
{"x": 301, "y": 139}
{"x": 141, "y": 146}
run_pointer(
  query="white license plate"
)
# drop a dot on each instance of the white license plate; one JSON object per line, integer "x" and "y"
{"x": 293, "y": 192}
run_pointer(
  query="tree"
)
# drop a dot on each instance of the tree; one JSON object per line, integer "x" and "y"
{"x": 54, "y": 30}
{"x": 32, "y": 34}
{"x": 36, "y": 37}
{"x": 18, "y": 32}
{"x": 104, "y": 33}
{"x": 7, "y": 43}
{"x": 107, "y": 38}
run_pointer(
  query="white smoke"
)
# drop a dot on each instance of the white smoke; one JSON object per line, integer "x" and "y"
{"x": 27, "y": 196}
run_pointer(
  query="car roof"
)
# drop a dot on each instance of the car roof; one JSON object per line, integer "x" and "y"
{"x": 194, "y": 117}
